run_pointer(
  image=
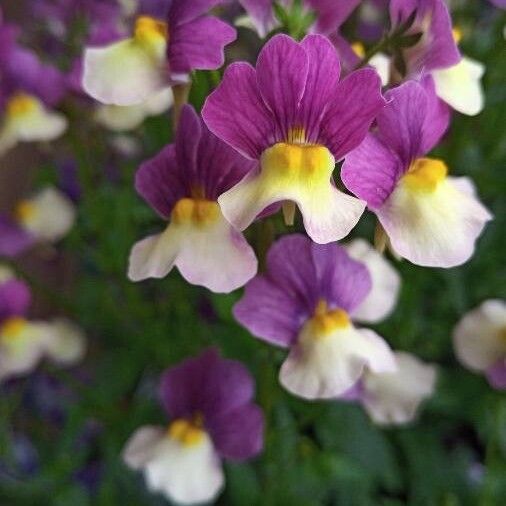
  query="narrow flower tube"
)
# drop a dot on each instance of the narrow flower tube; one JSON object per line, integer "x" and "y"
{"x": 306, "y": 302}
{"x": 293, "y": 116}
{"x": 182, "y": 184}
{"x": 479, "y": 341}
{"x": 213, "y": 417}
{"x": 431, "y": 219}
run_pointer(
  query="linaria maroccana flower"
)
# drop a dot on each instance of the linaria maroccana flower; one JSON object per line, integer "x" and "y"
{"x": 209, "y": 402}
{"x": 393, "y": 398}
{"x": 46, "y": 217}
{"x": 305, "y": 302}
{"x": 24, "y": 343}
{"x": 295, "y": 118}
{"x": 29, "y": 90}
{"x": 457, "y": 78}
{"x": 430, "y": 218}
{"x": 182, "y": 183}
{"x": 168, "y": 42}
{"x": 479, "y": 341}
{"x": 329, "y": 13}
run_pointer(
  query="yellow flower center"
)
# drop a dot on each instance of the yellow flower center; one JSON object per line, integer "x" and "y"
{"x": 326, "y": 321}
{"x": 187, "y": 432}
{"x": 195, "y": 211}
{"x": 12, "y": 328}
{"x": 457, "y": 34}
{"x": 150, "y": 30}
{"x": 358, "y": 49}
{"x": 425, "y": 174}
{"x": 21, "y": 104}
{"x": 24, "y": 211}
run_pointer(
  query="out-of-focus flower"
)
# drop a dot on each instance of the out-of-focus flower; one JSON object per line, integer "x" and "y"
{"x": 170, "y": 39}
{"x": 209, "y": 402}
{"x": 393, "y": 398}
{"x": 479, "y": 340}
{"x": 329, "y": 14}
{"x": 305, "y": 302}
{"x": 28, "y": 92}
{"x": 46, "y": 217}
{"x": 431, "y": 219}
{"x": 183, "y": 183}
{"x": 24, "y": 343}
{"x": 294, "y": 116}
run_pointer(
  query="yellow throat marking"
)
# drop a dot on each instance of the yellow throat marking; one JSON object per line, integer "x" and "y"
{"x": 21, "y": 104}
{"x": 24, "y": 211}
{"x": 325, "y": 320}
{"x": 425, "y": 174}
{"x": 12, "y": 328}
{"x": 196, "y": 211}
{"x": 187, "y": 432}
{"x": 149, "y": 30}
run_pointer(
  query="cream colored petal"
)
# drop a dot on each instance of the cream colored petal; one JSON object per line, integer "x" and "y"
{"x": 66, "y": 342}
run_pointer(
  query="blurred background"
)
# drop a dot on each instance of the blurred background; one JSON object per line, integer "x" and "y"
{"x": 62, "y": 430}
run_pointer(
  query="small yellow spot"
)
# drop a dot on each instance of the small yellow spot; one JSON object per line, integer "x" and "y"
{"x": 24, "y": 211}
{"x": 12, "y": 328}
{"x": 296, "y": 159}
{"x": 21, "y": 104}
{"x": 358, "y": 49}
{"x": 150, "y": 30}
{"x": 327, "y": 321}
{"x": 195, "y": 211}
{"x": 425, "y": 174}
{"x": 457, "y": 34}
{"x": 187, "y": 432}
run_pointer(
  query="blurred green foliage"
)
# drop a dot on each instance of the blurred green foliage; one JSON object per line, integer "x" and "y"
{"x": 315, "y": 453}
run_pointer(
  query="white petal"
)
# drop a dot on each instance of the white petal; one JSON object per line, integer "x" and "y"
{"x": 479, "y": 337}
{"x": 460, "y": 86}
{"x": 159, "y": 102}
{"x": 326, "y": 366}
{"x": 140, "y": 447}
{"x": 393, "y": 398}
{"x": 6, "y": 273}
{"x": 386, "y": 282}
{"x": 433, "y": 229}
{"x": 381, "y": 62}
{"x": 66, "y": 343}
{"x": 212, "y": 255}
{"x": 52, "y": 217}
{"x": 124, "y": 73}
{"x": 185, "y": 474}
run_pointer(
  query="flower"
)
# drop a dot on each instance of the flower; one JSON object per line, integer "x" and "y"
{"x": 329, "y": 13}
{"x": 182, "y": 183}
{"x": 431, "y": 219}
{"x": 293, "y": 116}
{"x": 29, "y": 90}
{"x": 24, "y": 343}
{"x": 305, "y": 302}
{"x": 170, "y": 39}
{"x": 209, "y": 401}
{"x": 46, "y": 217}
{"x": 393, "y": 398}
{"x": 479, "y": 341}
{"x": 457, "y": 78}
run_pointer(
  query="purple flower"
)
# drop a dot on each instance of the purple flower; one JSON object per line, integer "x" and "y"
{"x": 305, "y": 302}
{"x": 295, "y": 118}
{"x": 182, "y": 183}
{"x": 430, "y": 219}
{"x": 209, "y": 402}
{"x": 479, "y": 341}
{"x": 329, "y": 13}
{"x": 165, "y": 48}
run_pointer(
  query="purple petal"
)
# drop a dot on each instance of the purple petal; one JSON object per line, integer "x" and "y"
{"x": 282, "y": 70}
{"x": 13, "y": 239}
{"x": 349, "y": 59}
{"x": 236, "y": 113}
{"x": 331, "y": 14}
{"x": 15, "y": 298}
{"x": 357, "y": 101}
{"x": 322, "y": 79}
{"x": 207, "y": 384}
{"x": 262, "y": 15}
{"x": 344, "y": 282}
{"x": 183, "y": 11}
{"x": 371, "y": 171}
{"x": 238, "y": 435}
{"x": 496, "y": 375}
{"x": 199, "y": 44}
{"x": 158, "y": 181}
{"x": 188, "y": 135}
